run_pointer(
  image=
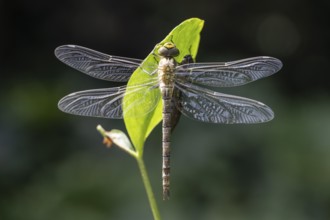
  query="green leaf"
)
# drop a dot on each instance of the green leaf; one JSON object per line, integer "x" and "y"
{"x": 141, "y": 120}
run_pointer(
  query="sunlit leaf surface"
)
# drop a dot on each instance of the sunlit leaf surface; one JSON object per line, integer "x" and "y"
{"x": 148, "y": 113}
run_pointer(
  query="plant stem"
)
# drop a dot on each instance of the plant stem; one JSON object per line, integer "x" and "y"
{"x": 147, "y": 185}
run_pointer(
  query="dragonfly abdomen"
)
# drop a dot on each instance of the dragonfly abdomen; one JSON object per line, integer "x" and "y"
{"x": 166, "y": 75}
{"x": 166, "y": 142}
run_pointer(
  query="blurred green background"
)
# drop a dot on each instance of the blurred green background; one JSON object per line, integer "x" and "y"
{"x": 54, "y": 166}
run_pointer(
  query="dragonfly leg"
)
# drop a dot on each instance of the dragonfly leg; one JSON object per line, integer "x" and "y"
{"x": 154, "y": 87}
{"x": 147, "y": 72}
{"x": 155, "y": 70}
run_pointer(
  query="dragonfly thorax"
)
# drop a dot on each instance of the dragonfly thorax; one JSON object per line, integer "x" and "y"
{"x": 168, "y": 50}
{"x": 166, "y": 74}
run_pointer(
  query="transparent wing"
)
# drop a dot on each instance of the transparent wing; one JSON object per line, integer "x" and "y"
{"x": 107, "y": 103}
{"x": 228, "y": 74}
{"x": 175, "y": 113}
{"x": 97, "y": 64}
{"x": 208, "y": 106}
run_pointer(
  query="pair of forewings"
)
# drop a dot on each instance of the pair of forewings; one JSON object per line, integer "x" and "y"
{"x": 191, "y": 99}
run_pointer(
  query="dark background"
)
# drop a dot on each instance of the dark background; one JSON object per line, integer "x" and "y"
{"x": 54, "y": 166}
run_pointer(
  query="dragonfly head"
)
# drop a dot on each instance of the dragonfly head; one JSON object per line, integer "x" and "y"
{"x": 168, "y": 50}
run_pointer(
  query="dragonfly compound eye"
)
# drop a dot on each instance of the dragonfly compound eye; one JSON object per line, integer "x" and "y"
{"x": 168, "y": 50}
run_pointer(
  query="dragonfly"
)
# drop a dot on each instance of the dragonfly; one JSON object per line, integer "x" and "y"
{"x": 181, "y": 86}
